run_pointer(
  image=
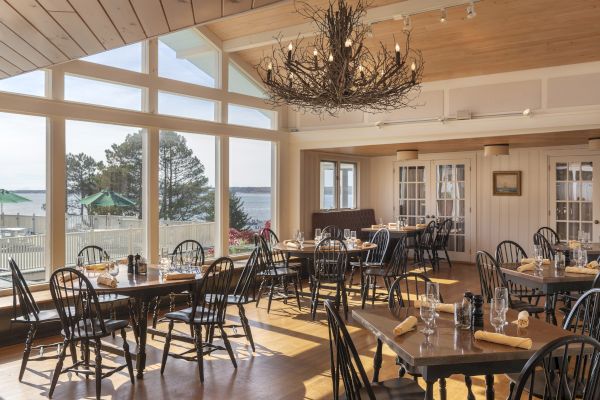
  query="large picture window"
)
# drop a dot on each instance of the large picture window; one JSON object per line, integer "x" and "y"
{"x": 126, "y": 57}
{"x": 104, "y": 189}
{"x": 249, "y": 192}
{"x": 187, "y": 190}
{"x": 23, "y": 196}
{"x": 91, "y": 91}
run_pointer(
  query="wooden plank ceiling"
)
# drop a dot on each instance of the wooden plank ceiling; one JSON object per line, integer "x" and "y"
{"x": 40, "y": 33}
{"x": 506, "y": 35}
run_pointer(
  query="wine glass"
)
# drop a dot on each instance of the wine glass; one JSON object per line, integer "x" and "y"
{"x": 582, "y": 258}
{"x": 80, "y": 262}
{"x": 380, "y": 222}
{"x": 347, "y": 234}
{"x": 113, "y": 269}
{"x": 432, "y": 289}
{"x": 538, "y": 257}
{"x": 317, "y": 235}
{"x": 300, "y": 238}
{"x": 502, "y": 293}
{"x": 497, "y": 314}
{"x": 427, "y": 311}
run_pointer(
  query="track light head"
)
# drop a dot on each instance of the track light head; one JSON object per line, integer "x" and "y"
{"x": 471, "y": 13}
{"x": 443, "y": 16}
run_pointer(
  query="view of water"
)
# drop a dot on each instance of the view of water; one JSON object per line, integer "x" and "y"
{"x": 257, "y": 205}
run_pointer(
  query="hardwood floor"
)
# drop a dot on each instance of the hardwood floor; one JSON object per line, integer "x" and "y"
{"x": 291, "y": 360}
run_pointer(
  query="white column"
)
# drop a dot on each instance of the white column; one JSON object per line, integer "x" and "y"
{"x": 150, "y": 151}
{"x": 222, "y": 196}
{"x": 56, "y": 197}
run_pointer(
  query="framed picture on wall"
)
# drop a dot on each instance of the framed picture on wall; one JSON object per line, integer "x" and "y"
{"x": 507, "y": 183}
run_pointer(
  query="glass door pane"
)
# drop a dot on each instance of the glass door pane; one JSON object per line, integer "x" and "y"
{"x": 411, "y": 192}
{"x": 347, "y": 185}
{"x": 450, "y": 201}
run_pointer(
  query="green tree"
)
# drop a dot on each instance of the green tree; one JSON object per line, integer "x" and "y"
{"x": 238, "y": 218}
{"x": 184, "y": 187}
{"x": 83, "y": 179}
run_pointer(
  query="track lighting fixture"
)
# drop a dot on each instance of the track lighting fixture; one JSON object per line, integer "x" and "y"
{"x": 443, "y": 16}
{"x": 471, "y": 11}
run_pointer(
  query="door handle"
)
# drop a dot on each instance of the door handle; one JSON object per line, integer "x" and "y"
{"x": 596, "y": 222}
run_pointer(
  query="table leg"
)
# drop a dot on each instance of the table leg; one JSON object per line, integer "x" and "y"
{"x": 377, "y": 361}
{"x": 489, "y": 387}
{"x": 443, "y": 389}
{"x": 550, "y": 309}
{"x": 429, "y": 389}
{"x": 142, "y": 321}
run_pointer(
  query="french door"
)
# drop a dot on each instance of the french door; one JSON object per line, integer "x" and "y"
{"x": 574, "y": 182}
{"x": 432, "y": 189}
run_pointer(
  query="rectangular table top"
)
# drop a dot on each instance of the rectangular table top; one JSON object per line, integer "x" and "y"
{"x": 129, "y": 282}
{"x": 593, "y": 248}
{"x": 406, "y": 229}
{"x": 548, "y": 275}
{"x": 449, "y": 346}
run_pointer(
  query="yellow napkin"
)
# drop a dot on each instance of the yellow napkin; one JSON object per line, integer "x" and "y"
{"x": 526, "y": 267}
{"x": 418, "y": 226}
{"x": 376, "y": 226}
{"x": 499, "y": 338}
{"x": 407, "y": 325}
{"x": 96, "y": 267}
{"x": 574, "y": 244}
{"x": 366, "y": 245}
{"x": 522, "y": 320}
{"x": 358, "y": 242}
{"x": 291, "y": 243}
{"x": 173, "y": 276}
{"x": 532, "y": 260}
{"x": 593, "y": 265}
{"x": 442, "y": 307}
{"x": 62, "y": 278}
{"x": 577, "y": 270}
{"x": 392, "y": 225}
{"x": 107, "y": 280}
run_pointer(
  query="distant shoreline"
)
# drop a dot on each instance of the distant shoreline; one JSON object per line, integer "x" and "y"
{"x": 234, "y": 189}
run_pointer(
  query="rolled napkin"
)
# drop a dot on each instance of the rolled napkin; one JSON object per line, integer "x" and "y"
{"x": 174, "y": 276}
{"x": 522, "y": 320}
{"x": 593, "y": 265}
{"x": 62, "y": 278}
{"x": 499, "y": 338}
{"x": 526, "y": 267}
{"x": 392, "y": 225}
{"x": 577, "y": 270}
{"x": 574, "y": 244}
{"x": 96, "y": 267}
{"x": 107, "y": 280}
{"x": 376, "y": 226}
{"x": 358, "y": 242}
{"x": 366, "y": 245}
{"x": 532, "y": 260}
{"x": 441, "y": 307}
{"x": 291, "y": 243}
{"x": 123, "y": 261}
{"x": 407, "y": 325}
{"x": 419, "y": 226}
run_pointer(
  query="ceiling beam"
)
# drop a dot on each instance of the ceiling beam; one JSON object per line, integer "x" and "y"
{"x": 374, "y": 15}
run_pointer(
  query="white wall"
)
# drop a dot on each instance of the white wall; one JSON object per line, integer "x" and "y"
{"x": 496, "y": 217}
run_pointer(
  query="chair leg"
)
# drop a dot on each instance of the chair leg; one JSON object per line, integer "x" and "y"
{"x": 163, "y": 364}
{"x": 73, "y": 350}
{"x": 155, "y": 313}
{"x": 199, "y": 351}
{"x": 511, "y": 388}
{"x": 448, "y": 258}
{"x": 296, "y": 282}
{"x": 442, "y": 388}
{"x": 113, "y": 314}
{"x": 58, "y": 368}
{"x": 127, "y": 356}
{"x": 315, "y": 302}
{"x": 261, "y": 288}
{"x": 351, "y": 276}
{"x": 227, "y": 345}
{"x": 27, "y": 351}
{"x": 469, "y": 384}
{"x": 345, "y": 300}
{"x": 132, "y": 320}
{"x": 271, "y": 292}
{"x": 374, "y": 290}
{"x": 365, "y": 290}
{"x": 246, "y": 325}
{"x": 97, "y": 348}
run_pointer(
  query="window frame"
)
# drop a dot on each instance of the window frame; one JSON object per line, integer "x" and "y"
{"x": 338, "y": 182}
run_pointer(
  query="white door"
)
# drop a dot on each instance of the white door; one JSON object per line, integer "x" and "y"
{"x": 574, "y": 181}
{"x": 431, "y": 189}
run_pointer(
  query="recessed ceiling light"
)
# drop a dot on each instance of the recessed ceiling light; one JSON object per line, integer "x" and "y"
{"x": 471, "y": 11}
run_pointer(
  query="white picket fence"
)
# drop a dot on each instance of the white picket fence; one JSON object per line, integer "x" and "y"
{"x": 28, "y": 251}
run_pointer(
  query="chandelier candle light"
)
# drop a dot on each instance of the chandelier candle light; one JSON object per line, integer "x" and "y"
{"x": 337, "y": 71}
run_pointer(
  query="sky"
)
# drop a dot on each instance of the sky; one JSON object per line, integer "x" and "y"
{"x": 22, "y": 138}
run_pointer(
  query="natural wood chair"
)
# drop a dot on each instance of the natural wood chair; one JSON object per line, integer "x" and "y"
{"x": 208, "y": 312}
{"x": 82, "y": 322}
{"x": 346, "y": 364}
{"x": 26, "y": 312}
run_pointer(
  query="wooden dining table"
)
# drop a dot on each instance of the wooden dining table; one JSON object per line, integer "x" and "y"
{"x": 550, "y": 281}
{"x": 450, "y": 350}
{"x": 397, "y": 233}
{"x": 593, "y": 250}
{"x": 143, "y": 288}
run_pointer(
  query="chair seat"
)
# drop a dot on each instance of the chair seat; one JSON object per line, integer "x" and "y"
{"x": 366, "y": 264}
{"x": 377, "y": 272}
{"x": 43, "y": 315}
{"x": 405, "y": 389}
{"x": 111, "y": 325}
{"x": 200, "y": 317}
{"x": 280, "y": 272}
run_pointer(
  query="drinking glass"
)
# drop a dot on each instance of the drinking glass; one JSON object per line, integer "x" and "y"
{"x": 559, "y": 260}
{"x": 462, "y": 315}
{"x": 498, "y": 314}
{"x": 502, "y": 293}
{"x": 80, "y": 262}
{"x": 347, "y": 234}
{"x": 582, "y": 258}
{"x": 317, "y": 235}
{"x": 538, "y": 257}
{"x": 300, "y": 238}
{"x": 427, "y": 311}
{"x": 433, "y": 289}
{"x": 580, "y": 235}
{"x": 113, "y": 269}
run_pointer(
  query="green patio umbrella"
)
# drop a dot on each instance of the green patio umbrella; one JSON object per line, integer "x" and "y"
{"x": 107, "y": 198}
{"x": 10, "y": 198}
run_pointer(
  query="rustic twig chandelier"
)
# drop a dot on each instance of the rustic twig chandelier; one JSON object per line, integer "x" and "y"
{"x": 337, "y": 71}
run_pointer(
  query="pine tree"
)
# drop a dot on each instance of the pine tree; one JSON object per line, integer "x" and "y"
{"x": 83, "y": 179}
